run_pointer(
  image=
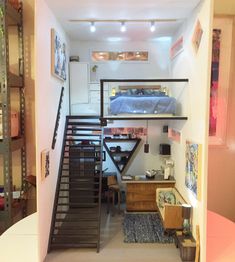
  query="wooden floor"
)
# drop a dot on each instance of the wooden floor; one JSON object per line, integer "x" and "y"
{"x": 113, "y": 249}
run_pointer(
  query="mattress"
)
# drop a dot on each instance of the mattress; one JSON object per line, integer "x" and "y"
{"x": 142, "y": 104}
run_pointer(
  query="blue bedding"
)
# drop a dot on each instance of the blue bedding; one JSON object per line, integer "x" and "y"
{"x": 142, "y": 104}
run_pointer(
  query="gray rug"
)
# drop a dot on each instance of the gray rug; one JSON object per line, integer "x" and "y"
{"x": 144, "y": 228}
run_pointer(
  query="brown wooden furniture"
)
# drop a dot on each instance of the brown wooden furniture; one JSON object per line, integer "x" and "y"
{"x": 187, "y": 246}
{"x": 171, "y": 213}
{"x": 113, "y": 188}
{"x": 141, "y": 194}
{"x": 197, "y": 256}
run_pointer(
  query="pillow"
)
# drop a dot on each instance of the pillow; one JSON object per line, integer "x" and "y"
{"x": 166, "y": 197}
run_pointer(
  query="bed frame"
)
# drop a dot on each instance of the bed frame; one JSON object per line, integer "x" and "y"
{"x": 104, "y": 118}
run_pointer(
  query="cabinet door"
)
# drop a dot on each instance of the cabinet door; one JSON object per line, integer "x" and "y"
{"x": 79, "y": 83}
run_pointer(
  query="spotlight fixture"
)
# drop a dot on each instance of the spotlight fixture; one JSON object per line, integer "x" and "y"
{"x": 152, "y": 26}
{"x": 123, "y": 27}
{"x": 92, "y": 27}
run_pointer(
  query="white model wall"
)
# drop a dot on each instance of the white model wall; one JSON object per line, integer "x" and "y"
{"x": 47, "y": 95}
{"x": 196, "y": 67}
{"x": 156, "y": 67}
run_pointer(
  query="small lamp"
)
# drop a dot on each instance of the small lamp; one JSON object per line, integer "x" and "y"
{"x": 186, "y": 212}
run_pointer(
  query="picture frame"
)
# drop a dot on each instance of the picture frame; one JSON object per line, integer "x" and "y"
{"x": 197, "y": 36}
{"x": 177, "y": 47}
{"x": 58, "y": 56}
{"x": 220, "y": 80}
{"x": 45, "y": 163}
{"x": 193, "y": 166}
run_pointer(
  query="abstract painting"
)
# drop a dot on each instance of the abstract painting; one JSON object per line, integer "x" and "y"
{"x": 197, "y": 36}
{"x": 45, "y": 163}
{"x": 214, "y": 81}
{"x": 193, "y": 168}
{"x": 177, "y": 47}
{"x": 58, "y": 56}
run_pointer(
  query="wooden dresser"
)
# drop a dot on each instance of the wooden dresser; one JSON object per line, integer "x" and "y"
{"x": 141, "y": 192}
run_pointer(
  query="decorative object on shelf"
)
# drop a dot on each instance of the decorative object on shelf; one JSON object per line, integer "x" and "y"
{"x": 150, "y": 173}
{"x": 58, "y": 56}
{"x": 193, "y": 168}
{"x": 197, "y": 36}
{"x": 130, "y": 132}
{"x": 186, "y": 213}
{"x": 121, "y": 157}
{"x": 174, "y": 135}
{"x": 57, "y": 119}
{"x": 146, "y": 145}
{"x": 45, "y": 163}
{"x": 165, "y": 129}
{"x": 94, "y": 75}
{"x": 187, "y": 246}
{"x": 165, "y": 149}
{"x": 177, "y": 47}
{"x": 15, "y": 129}
{"x": 168, "y": 168}
{"x": 74, "y": 58}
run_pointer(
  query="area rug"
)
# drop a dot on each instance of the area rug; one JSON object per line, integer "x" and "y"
{"x": 144, "y": 228}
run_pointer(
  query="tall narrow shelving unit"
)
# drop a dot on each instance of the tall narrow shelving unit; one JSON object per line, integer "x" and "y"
{"x": 11, "y": 17}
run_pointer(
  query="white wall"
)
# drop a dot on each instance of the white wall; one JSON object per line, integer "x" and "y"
{"x": 156, "y": 67}
{"x": 196, "y": 67}
{"x": 47, "y": 98}
{"x": 140, "y": 161}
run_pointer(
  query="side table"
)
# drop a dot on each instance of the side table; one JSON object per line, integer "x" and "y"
{"x": 187, "y": 246}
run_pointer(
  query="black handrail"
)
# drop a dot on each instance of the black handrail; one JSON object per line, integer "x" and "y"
{"x": 57, "y": 119}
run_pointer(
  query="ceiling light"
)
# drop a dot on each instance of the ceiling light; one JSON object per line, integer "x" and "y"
{"x": 152, "y": 27}
{"x": 92, "y": 27}
{"x": 123, "y": 27}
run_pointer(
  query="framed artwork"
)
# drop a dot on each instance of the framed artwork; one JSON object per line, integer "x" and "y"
{"x": 135, "y": 132}
{"x": 220, "y": 80}
{"x": 174, "y": 135}
{"x": 193, "y": 156}
{"x": 45, "y": 163}
{"x": 177, "y": 47}
{"x": 58, "y": 56}
{"x": 197, "y": 36}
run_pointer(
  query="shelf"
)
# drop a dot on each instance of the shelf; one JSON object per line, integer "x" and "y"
{"x": 121, "y": 139}
{"x": 122, "y": 153}
{"x": 121, "y": 164}
{"x": 142, "y": 117}
{"x": 16, "y": 144}
{"x": 15, "y": 80}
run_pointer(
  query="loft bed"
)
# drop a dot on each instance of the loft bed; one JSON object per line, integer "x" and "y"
{"x": 137, "y": 99}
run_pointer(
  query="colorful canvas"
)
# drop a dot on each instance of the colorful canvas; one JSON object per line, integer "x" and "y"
{"x": 197, "y": 36}
{"x": 214, "y": 81}
{"x": 193, "y": 168}
{"x": 136, "y": 132}
{"x": 177, "y": 47}
{"x": 174, "y": 135}
{"x": 58, "y": 56}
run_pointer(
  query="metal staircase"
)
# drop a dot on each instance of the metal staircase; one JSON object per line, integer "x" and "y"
{"x": 76, "y": 214}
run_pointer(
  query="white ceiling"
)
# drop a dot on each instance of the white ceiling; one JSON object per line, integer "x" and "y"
{"x": 120, "y": 10}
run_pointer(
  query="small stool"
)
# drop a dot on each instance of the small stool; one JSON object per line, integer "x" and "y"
{"x": 113, "y": 188}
